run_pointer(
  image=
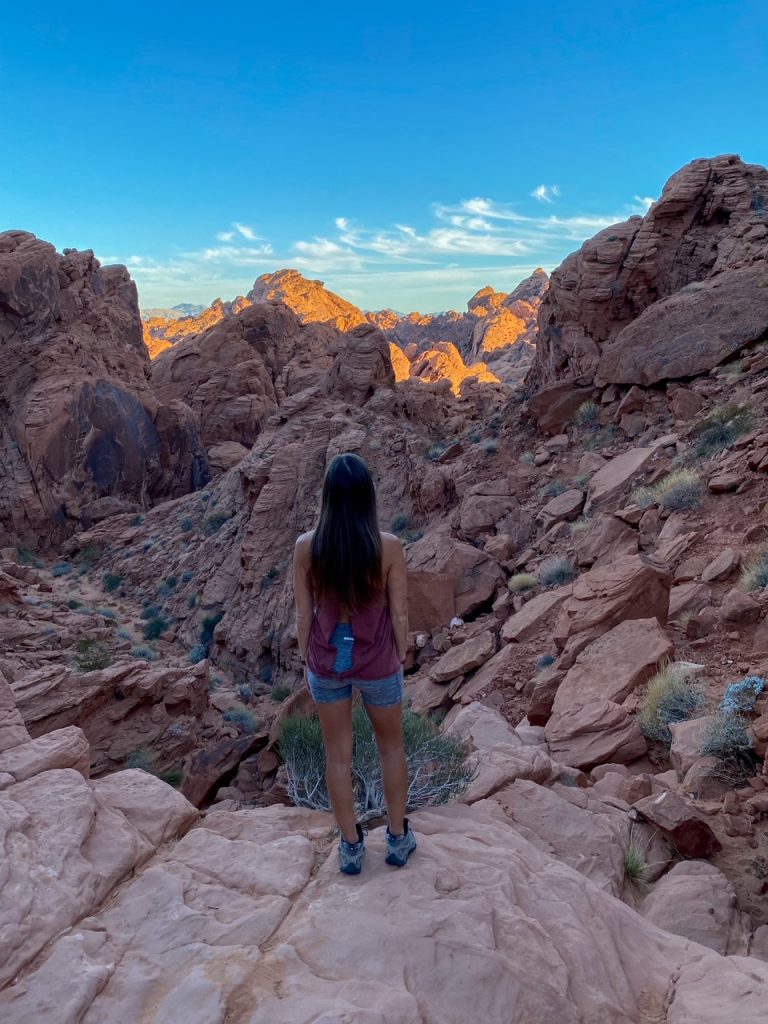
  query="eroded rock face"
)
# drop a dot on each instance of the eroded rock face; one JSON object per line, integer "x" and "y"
{"x": 667, "y": 295}
{"x": 80, "y": 423}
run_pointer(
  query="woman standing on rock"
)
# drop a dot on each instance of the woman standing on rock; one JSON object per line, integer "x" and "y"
{"x": 350, "y": 587}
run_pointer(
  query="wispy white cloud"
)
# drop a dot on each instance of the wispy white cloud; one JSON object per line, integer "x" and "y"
{"x": 458, "y": 248}
{"x": 644, "y": 202}
{"x": 546, "y": 193}
{"x": 246, "y": 231}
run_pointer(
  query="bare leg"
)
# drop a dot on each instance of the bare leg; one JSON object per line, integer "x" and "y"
{"x": 388, "y": 727}
{"x": 336, "y": 722}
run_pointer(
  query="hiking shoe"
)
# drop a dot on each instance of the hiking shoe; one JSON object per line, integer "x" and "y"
{"x": 351, "y": 854}
{"x": 399, "y": 848}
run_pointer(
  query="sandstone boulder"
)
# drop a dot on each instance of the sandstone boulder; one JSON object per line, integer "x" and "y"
{"x": 614, "y": 664}
{"x": 680, "y": 823}
{"x": 606, "y": 596}
{"x": 594, "y": 732}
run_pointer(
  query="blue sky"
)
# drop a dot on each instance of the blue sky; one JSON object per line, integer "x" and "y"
{"x": 405, "y": 153}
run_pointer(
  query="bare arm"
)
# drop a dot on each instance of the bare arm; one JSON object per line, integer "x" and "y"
{"x": 397, "y": 594}
{"x": 302, "y": 594}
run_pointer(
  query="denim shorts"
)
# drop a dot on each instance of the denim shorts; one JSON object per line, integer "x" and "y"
{"x": 380, "y": 693}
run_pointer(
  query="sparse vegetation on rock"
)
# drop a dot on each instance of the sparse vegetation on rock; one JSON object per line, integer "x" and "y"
{"x": 672, "y": 695}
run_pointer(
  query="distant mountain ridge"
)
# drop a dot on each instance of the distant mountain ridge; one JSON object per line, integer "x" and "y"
{"x": 497, "y": 328}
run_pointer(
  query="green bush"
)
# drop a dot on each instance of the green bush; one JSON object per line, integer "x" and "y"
{"x": 755, "y": 573}
{"x": 726, "y": 739}
{"x": 73, "y": 604}
{"x": 544, "y": 661}
{"x": 27, "y": 556}
{"x": 88, "y": 555}
{"x": 400, "y": 522}
{"x": 245, "y": 693}
{"x": 155, "y": 627}
{"x": 61, "y": 569}
{"x": 635, "y": 866}
{"x": 214, "y": 522}
{"x": 280, "y": 693}
{"x": 187, "y": 525}
{"x": 672, "y": 695}
{"x": 587, "y": 415}
{"x": 111, "y": 581}
{"x": 145, "y": 653}
{"x": 521, "y": 582}
{"x": 581, "y": 525}
{"x": 207, "y": 626}
{"x": 599, "y": 438}
{"x": 490, "y": 446}
{"x": 437, "y": 768}
{"x": 557, "y": 570}
{"x": 142, "y": 758}
{"x": 173, "y": 777}
{"x": 553, "y": 488}
{"x": 720, "y": 429}
{"x": 91, "y": 655}
{"x": 242, "y": 718}
{"x": 677, "y": 492}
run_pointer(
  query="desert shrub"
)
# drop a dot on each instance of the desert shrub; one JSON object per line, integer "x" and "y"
{"x": 61, "y": 569}
{"x": 91, "y": 655}
{"x": 214, "y": 522}
{"x": 269, "y": 577}
{"x": 111, "y": 581}
{"x": 720, "y": 429}
{"x": 726, "y": 739}
{"x": 197, "y": 653}
{"x": 755, "y": 573}
{"x": 143, "y": 758}
{"x": 280, "y": 693}
{"x": 172, "y": 777}
{"x": 106, "y": 613}
{"x": 678, "y": 491}
{"x": 187, "y": 576}
{"x": 192, "y": 600}
{"x": 635, "y": 866}
{"x": 581, "y": 525}
{"x": 587, "y": 415}
{"x": 214, "y": 683}
{"x": 145, "y": 653}
{"x": 400, "y": 522}
{"x": 246, "y": 693}
{"x": 265, "y": 673}
{"x": 490, "y": 447}
{"x": 436, "y": 450}
{"x": 186, "y": 525}
{"x": 241, "y": 718}
{"x": 437, "y": 768}
{"x": 410, "y": 536}
{"x": 557, "y": 570}
{"x": 150, "y": 611}
{"x": 599, "y": 437}
{"x": 155, "y": 627}
{"x": 581, "y": 480}
{"x": 553, "y": 488}
{"x": 207, "y": 626}
{"x": 740, "y": 698}
{"x": 73, "y": 604}
{"x": 26, "y": 556}
{"x": 521, "y": 582}
{"x": 544, "y": 661}
{"x": 528, "y": 457}
{"x": 88, "y": 555}
{"x": 672, "y": 695}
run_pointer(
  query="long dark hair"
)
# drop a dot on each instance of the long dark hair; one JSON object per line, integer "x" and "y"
{"x": 345, "y": 561}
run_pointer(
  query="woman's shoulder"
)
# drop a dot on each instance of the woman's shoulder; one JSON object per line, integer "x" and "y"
{"x": 304, "y": 542}
{"x": 391, "y": 545}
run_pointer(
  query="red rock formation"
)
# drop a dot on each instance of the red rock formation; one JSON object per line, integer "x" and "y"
{"x": 162, "y": 332}
{"x": 668, "y": 295}
{"x": 80, "y": 422}
{"x": 310, "y": 300}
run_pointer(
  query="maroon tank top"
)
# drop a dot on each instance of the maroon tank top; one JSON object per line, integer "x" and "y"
{"x": 374, "y": 652}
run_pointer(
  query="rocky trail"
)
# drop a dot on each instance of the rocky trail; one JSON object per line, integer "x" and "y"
{"x": 588, "y": 602}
